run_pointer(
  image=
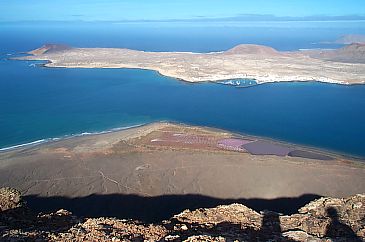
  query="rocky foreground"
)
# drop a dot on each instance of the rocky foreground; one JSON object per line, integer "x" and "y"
{"x": 325, "y": 219}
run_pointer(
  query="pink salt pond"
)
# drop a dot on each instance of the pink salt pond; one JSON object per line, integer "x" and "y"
{"x": 233, "y": 144}
{"x": 261, "y": 147}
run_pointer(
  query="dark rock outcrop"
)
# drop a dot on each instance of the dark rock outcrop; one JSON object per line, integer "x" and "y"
{"x": 10, "y": 198}
{"x": 320, "y": 220}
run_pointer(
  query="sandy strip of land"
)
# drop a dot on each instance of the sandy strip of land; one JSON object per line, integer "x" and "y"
{"x": 128, "y": 162}
{"x": 260, "y": 63}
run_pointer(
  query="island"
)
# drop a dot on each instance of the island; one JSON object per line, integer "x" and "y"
{"x": 250, "y": 62}
{"x": 350, "y": 39}
{"x": 168, "y": 181}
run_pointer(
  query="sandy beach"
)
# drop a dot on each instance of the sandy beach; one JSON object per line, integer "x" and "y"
{"x": 165, "y": 161}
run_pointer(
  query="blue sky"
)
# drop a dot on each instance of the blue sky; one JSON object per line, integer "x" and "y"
{"x": 118, "y": 10}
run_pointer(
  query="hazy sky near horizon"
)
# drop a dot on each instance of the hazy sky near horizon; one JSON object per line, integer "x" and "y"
{"x": 118, "y": 10}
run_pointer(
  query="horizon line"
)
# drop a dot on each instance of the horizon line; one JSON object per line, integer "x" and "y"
{"x": 237, "y": 18}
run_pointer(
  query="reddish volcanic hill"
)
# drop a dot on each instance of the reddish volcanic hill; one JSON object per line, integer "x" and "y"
{"x": 252, "y": 49}
{"x": 351, "y": 39}
{"x": 354, "y": 53}
{"x": 49, "y": 48}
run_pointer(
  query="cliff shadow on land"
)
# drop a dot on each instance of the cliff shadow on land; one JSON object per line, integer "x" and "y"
{"x": 158, "y": 208}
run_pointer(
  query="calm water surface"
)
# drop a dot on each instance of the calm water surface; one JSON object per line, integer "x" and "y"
{"x": 38, "y": 103}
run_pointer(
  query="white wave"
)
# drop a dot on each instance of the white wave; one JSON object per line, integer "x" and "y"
{"x": 25, "y": 144}
{"x": 42, "y": 141}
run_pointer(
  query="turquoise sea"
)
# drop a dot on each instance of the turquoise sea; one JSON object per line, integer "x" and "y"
{"x": 38, "y": 103}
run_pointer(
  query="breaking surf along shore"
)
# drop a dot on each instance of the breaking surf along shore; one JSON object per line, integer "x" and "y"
{"x": 162, "y": 159}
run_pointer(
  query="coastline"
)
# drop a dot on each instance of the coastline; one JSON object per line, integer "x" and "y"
{"x": 161, "y": 159}
{"x": 320, "y": 150}
{"x": 134, "y": 128}
{"x": 259, "y": 80}
{"x": 45, "y": 65}
{"x": 66, "y": 137}
{"x": 217, "y": 81}
{"x": 48, "y": 62}
{"x": 260, "y": 63}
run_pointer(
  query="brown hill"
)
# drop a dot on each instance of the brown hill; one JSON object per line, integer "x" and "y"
{"x": 354, "y": 53}
{"x": 351, "y": 39}
{"x": 49, "y": 48}
{"x": 249, "y": 49}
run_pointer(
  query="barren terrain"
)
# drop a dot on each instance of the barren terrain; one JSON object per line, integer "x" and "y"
{"x": 261, "y": 63}
{"x": 162, "y": 162}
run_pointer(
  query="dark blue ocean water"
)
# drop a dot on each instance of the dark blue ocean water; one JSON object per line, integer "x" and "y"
{"x": 38, "y": 103}
{"x": 196, "y": 37}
